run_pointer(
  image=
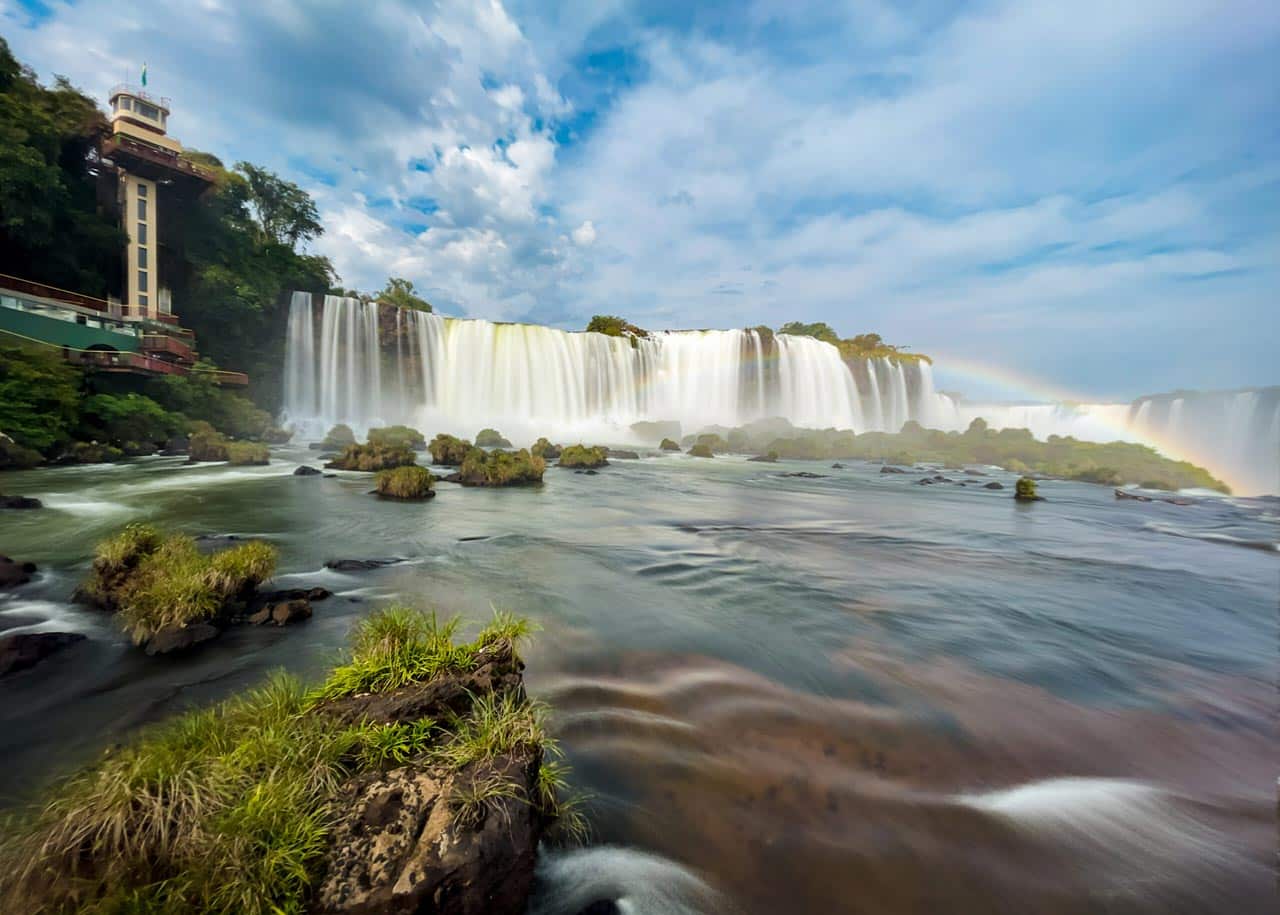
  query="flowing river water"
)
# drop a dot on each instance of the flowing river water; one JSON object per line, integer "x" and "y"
{"x": 843, "y": 694}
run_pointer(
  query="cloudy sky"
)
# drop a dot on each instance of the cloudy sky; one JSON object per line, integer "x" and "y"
{"x": 1084, "y": 193}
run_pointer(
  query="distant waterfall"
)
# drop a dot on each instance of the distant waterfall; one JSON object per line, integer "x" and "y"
{"x": 349, "y": 362}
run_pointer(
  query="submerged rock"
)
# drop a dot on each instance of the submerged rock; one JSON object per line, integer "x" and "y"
{"x": 305, "y": 471}
{"x": 993, "y": 485}
{"x": 358, "y": 565}
{"x": 770, "y": 458}
{"x": 14, "y": 573}
{"x": 837, "y": 466}
{"x": 26, "y": 649}
{"x": 623, "y": 455}
{"x": 179, "y": 638}
{"x": 20, "y": 502}
{"x": 887, "y": 469}
{"x": 804, "y": 475}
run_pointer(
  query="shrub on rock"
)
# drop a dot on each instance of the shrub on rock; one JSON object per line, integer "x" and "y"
{"x": 369, "y": 458}
{"x": 491, "y": 438}
{"x": 340, "y": 436}
{"x": 702, "y": 450}
{"x": 407, "y": 483}
{"x": 669, "y": 445}
{"x": 584, "y": 456}
{"x": 544, "y": 449}
{"x": 91, "y": 453}
{"x": 500, "y": 468}
{"x": 448, "y": 450}
{"x": 398, "y": 437}
{"x": 248, "y": 453}
{"x": 207, "y": 444}
{"x": 15, "y": 457}
{"x": 1025, "y": 491}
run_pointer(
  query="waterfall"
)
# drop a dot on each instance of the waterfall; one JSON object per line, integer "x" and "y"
{"x": 366, "y": 367}
{"x": 446, "y": 374}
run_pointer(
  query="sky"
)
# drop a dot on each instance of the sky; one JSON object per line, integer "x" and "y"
{"x": 1086, "y": 194}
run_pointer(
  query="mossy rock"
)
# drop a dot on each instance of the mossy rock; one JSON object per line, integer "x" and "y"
{"x": 369, "y": 458}
{"x": 91, "y": 453}
{"x": 207, "y": 445}
{"x": 398, "y": 437}
{"x": 586, "y": 457}
{"x": 448, "y": 450}
{"x": 702, "y": 450}
{"x": 669, "y": 445}
{"x": 1025, "y": 491}
{"x": 500, "y": 468}
{"x": 491, "y": 438}
{"x": 340, "y": 436}
{"x": 411, "y": 483}
{"x": 15, "y": 457}
{"x": 248, "y": 454}
{"x": 544, "y": 449}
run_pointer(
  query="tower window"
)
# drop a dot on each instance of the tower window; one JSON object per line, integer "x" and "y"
{"x": 142, "y": 208}
{"x": 142, "y": 189}
{"x": 142, "y": 281}
{"x": 142, "y": 233}
{"x": 142, "y": 301}
{"x": 142, "y": 258}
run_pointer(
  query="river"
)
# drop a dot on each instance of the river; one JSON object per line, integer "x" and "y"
{"x": 844, "y": 694}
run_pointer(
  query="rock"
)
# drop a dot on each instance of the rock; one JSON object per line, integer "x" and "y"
{"x": 179, "y": 444}
{"x": 261, "y": 617}
{"x": 993, "y": 485}
{"x": 623, "y": 455}
{"x": 601, "y": 907}
{"x": 282, "y": 613}
{"x": 180, "y": 638}
{"x": 805, "y": 475}
{"x": 13, "y": 573}
{"x": 669, "y": 445}
{"x": 330, "y": 476}
{"x": 25, "y": 649}
{"x": 305, "y": 471}
{"x": 20, "y": 502}
{"x": 887, "y": 469}
{"x": 837, "y": 466}
{"x": 358, "y": 565}
{"x": 974, "y": 473}
{"x": 770, "y": 458}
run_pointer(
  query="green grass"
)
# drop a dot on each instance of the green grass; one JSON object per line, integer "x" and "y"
{"x": 207, "y": 445}
{"x": 340, "y": 436}
{"x": 397, "y": 437}
{"x": 371, "y": 458}
{"x": 501, "y": 468}
{"x": 247, "y": 453}
{"x": 583, "y": 456}
{"x": 228, "y": 809}
{"x": 448, "y": 450}
{"x": 405, "y": 482}
{"x": 157, "y": 580}
{"x": 491, "y": 438}
{"x": 1025, "y": 490}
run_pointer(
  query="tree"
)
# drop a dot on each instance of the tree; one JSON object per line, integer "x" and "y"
{"x": 39, "y": 396}
{"x": 284, "y": 212}
{"x": 818, "y": 331}
{"x": 399, "y": 292}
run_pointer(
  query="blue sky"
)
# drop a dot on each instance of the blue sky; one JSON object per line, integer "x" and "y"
{"x": 1083, "y": 193}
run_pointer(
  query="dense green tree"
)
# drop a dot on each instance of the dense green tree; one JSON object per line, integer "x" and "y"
{"x": 39, "y": 397}
{"x": 127, "y": 419}
{"x": 399, "y": 292}
{"x": 285, "y": 214}
{"x": 819, "y": 331}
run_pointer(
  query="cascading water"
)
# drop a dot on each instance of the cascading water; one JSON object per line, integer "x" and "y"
{"x": 366, "y": 368}
{"x": 455, "y": 375}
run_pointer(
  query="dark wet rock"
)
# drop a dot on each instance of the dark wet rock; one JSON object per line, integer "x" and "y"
{"x": 305, "y": 471}
{"x": 452, "y": 478}
{"x": 358, "y": 565}
{"x": 623, "y": 455}
{"x": 14, "y": 573}
{"x": 179, "y": 638}
{"x": 590, "y": 473}
{"x": 601, "y": 907}
{"x": 770, "y": 458}
{"x": 805, "y": 475}
{"x": 26, "y": 649}
{"x": 1139, "y": 497}
{"x": 473, "y": 538}
{"x": 669, "y": 445}
{"x": 179, "y": 444}
{"x": 330, "y": 476}
{"x": 283, "y": 613}
{"x": 837, "y": 466}
{"x": 993, "y": 485}
{"x": 974, "y": 473}
{"x": 887, "y": 469}
{"x": 20, "y": 502}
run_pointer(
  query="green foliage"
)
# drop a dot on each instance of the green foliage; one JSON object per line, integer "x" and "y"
{"x": 491, "y": 438}
{"x": 51, "y": 228}
{"x": 448, "y": 450}
{"x": 369, "y": 458}
{"x": 39, "y": 393}
{"x": 501, "y": 468}
{"x": 544, "y": 449}
{"x": 818, "y": 331}
{"x": 243, "y": 453}
{"x": 614, "y": 326}
{"x": 669, "y": 445}
{"x": 158, "y": 580}
{"x": 340, "y": 436}
{"x": 1025, "y": 490}
{"x": 284, "y": 213}
{"x": 228, "y": 809}
{"x": 392, "y": 436}
{"x": 584, "y": 456}
{"x": 208, "y": 445}
{"x": 702, "y": 450}
{"x": 197, "y": 396}
{"x": 405, "y": 483}
{"x": 400, "y": 293}
{"x": 121, "y": 418}
{"x": 92, "y": 453}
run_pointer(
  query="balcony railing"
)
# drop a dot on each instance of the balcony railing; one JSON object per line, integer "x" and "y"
{"x": 161, "y": 101}
{"x": 120, "y": 142}
{"x": 163, "y": 343}
{"x": 124, "y": 362}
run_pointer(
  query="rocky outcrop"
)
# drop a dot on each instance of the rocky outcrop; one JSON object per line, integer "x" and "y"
{"x": 358, "y": 565}
{"x": 993, "y": 485}
{"x": 173, "y": 639}
{"x": 14, "y": 573}
{"x": 770, "y": 458}
{"x": 887, "y": 469}
{"x": 20, "y": 502}
{"x": 669, "y": 445}
{"x": 426, "y": 838}
{"x": 283, "y": 613}
{"x": 26, "y": 649}
{"x": 305, "y": 471}
{"x": 623, "y": 455}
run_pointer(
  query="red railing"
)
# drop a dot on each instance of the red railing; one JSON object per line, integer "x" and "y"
{"x": 123, "y": 143}
{"x": 163, "y": 343}
{"x": 44, "y": 291}
{"x": 124, "y": 362}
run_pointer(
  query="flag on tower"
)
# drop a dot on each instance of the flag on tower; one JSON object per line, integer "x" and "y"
{"x": 144, "y": 74}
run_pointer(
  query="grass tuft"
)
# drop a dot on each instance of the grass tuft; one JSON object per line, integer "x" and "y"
{"x": 405, "y": 483}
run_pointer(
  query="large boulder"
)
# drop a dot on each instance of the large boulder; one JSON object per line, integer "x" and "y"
{"x": 20, "y": 502}
{"x": 304, "y": 471}
{"x": 669, "y": 445}
{"x": 179, "y": 638}
{"x": 14, "y": 573}
{"x": 448, "y": 450}
{"x": 25, "y": 649}
{"x": 584, "y": 456}
{"x": 16, "y": 457}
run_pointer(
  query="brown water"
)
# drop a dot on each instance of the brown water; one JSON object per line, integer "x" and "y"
{"x": 850, "y": 694}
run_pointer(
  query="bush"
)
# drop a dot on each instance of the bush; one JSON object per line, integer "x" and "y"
{"x": 369, "y": 458}
{"x": 544, "y": 449}
{"x": 448, "y": 450}
{"x": 500, "y": 468}
{"x": 91, "y": 453}
{"x": 669, "y": 445}
{"x": 584, "y": 456}
{"x": 712, "y": 440}
{"x": 15, "y": 457}
{"x": 613, "y": 326}
{"x": 491, "y": 438}
{"x": 702, "y": 450}
{"x": 248, "y": 453}
{"x": 39, "y": 398}
{"x": 207, "y": 445}
{"x": 1025, "y": 490}
{"x": 340, "y": 436}
{"x": 405, "y": 483}
{"x": 156, "y": 581}
{"x": 397, "y": 437}
{"x": 128, "y": 418}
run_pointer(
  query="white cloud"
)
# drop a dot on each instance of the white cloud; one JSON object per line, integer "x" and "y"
{"x": 585, "y": 234}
